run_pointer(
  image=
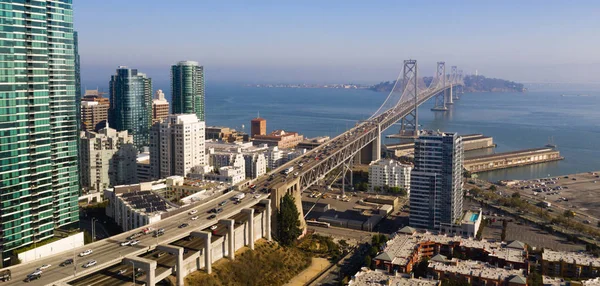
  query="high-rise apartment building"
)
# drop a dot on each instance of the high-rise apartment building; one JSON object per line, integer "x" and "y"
{"x": 187, "y": 86}
{"x": 107, "y": 158}
{"x": 160, "y": 107}
{"x": 177, "y": 145}
{"x": 39, "y": 184}
{"x": 258, "y": 126}
{"x": 391, "y": 173}
{"x": 131, "y": 104}
{"x": 436, "y": 197}
{"x": 256, "y": 165}
{"x": 94, "y": 111}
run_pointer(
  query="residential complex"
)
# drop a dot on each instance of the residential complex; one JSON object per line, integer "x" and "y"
{"x": 409, "y": 246}
{"x": 177, "y": 145}
{"x": 107, "y": 158}
{"x": 38, "y": 123}
{"x": 94, "y": 111}
{"x": 570, "y": 264}
{"x": 131, "y": 104}
{"x": 256, "y": 165}
{"x": 160, "y": 107}
{"x": 225, "y": 134}
{"x": 389, "y": 172}
{"x": 187, "y": 87}
{"x": 279, "y": 138}
{"x": 436, "y": 197}
{"x": 367, "y": 277}
{"x": 258, "y": 126}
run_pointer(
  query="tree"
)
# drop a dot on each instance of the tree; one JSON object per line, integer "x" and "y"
{"x": 289, "y": 224}
{"x": 367, "y": 261}
{"x": 493, "y": 188}
{"x": 516, "y": 195}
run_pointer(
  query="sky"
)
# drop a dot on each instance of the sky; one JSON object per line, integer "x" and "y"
{"x": 340, "y": 41}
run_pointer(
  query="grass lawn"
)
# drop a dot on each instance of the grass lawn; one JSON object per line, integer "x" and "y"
{"x": 268, "y": 264}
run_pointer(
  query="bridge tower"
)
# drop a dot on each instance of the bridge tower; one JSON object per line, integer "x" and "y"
{"x": 440, "y": 99}
{"x": 409, "y": 124}
{"x": 453, "y": 74}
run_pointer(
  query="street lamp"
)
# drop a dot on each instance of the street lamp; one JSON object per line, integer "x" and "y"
{"x": 93, "y": 229}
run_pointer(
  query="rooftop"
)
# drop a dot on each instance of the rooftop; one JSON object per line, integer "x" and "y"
{"x": 146, "y": 201}
{"x": 479, "y": 269}
{"x": 368, "y": 277}
{"x": 570, "y": 257}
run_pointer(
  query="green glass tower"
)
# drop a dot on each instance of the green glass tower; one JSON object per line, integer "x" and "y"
{"x": 131, "y": 104}
{"x": 187, "y": 87}
{"x": 39, "y": 184}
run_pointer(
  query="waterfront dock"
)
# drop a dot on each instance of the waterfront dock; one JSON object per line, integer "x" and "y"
{"x": 470, "y": 142}
{"x": 511, "y": 159}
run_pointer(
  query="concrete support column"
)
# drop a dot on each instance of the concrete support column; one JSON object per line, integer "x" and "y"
{"x": 149, "y": 266}
{"x": 207, "y": 236}
{"x": 376, "y": 155}
{"x": 178, "y": 252}
{"x": 230, "y": 224}
{"x": 267, "y": 214}
{"x": 250, "y": 232}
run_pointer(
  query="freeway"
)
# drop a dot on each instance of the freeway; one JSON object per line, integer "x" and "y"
{"x": 109, "y": 250}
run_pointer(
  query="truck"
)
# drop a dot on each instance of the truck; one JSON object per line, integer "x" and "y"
{"x": 239, "y": 196}
{"x": 5, "y": 275}
{"x": 288, "y": 170}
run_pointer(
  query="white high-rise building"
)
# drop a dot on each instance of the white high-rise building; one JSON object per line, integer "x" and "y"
{"x": 107, "y": 158}
{"x": 223, "y": 159}
{"x": 274, "y": 157}
{"x": 391, "y": 173}
{"x": 177, "y": 145}
{"x": 436, "y": 197}
{"x": 256, "y": 165}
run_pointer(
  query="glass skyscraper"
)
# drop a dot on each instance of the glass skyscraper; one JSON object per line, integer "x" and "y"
{"x": 436, "y": 197}
{"x": 187, "y": 87}
{"x": 131, "y": 104}
{"x": 39, "y": 184}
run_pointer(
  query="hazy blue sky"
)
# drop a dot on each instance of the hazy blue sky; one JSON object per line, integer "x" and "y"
{"x": 340, "y": 41}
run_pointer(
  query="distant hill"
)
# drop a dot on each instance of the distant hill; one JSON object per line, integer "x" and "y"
{"x": 472, "y": 84}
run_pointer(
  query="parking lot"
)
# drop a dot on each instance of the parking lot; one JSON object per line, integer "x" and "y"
{"x": 529, "y": 234}
{"x": 579, "y": 193}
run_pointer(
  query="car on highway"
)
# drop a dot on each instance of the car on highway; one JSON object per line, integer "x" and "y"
{"x": 257, "y": 196}
{"x": 194, "y": 217}
{"x": 135, "y": 235}
{"x": 36, "y": 272}
{"x": 218, "y": 210}
{"x": 32, "y": 277}
{"x": 44, "y": 267}
{"x": 86, "y": 253}
{"x": 126, "y": 243}
{"x": 159, "y": 254}
{"x": 213, "y": 227}
{"x": 121, "y": 272}
{"x": 134, "y": 242}
{"x": 222, "y": 203}
{"x": 158, "y": 233}
{"x": 183, "y": 225}
{"x": 193, "y": 212}
{"x": 67, "y": 262}
{"x": 212, "y": 216}
{"x": 90, "y": 264}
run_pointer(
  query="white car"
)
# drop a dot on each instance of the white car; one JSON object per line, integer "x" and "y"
{"x": 194, "y": 218}
{"x": 44, "y": 267}
{"x": 85, "y": 253}
{"x": 257, "y": 196}
{"x": 90, "y": 263}
{"x": 134, "y": 242}
{"x": 36, "y": 272}
{"x": 125, "y": 243}
{"x": 214, "y": 227}
{"x": 193, "y": 212}
{"x": 121, "y": 272}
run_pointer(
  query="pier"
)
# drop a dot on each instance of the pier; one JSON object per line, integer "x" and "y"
{"x": 511, "y": 159}
{"x": 470, "y": 142}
